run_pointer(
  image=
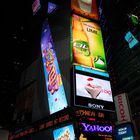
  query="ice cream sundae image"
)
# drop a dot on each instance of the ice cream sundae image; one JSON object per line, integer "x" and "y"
{"x": 93, "y": 90}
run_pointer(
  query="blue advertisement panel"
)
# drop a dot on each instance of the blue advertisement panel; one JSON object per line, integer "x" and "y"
{"x": 84, "y": 69}
{"x": 55, "y": 90}
{"x": 124, "y": 132}
{"x": 64, "y": 133}
{"x": 132, "y": 41}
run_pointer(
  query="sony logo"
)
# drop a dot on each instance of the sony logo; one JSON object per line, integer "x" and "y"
{"x": 95, "y": 106}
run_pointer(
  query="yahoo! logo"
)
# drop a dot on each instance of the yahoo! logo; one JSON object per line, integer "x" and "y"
{"x": 96, "y": 128}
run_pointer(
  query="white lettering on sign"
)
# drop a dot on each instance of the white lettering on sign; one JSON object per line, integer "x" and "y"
{"x": 95, "y": 106}
{"x": 122, "y": 131}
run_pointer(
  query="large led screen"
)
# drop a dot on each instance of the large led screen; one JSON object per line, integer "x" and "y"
{"x": 64, "y": 133}
{"x": 55, "y": 90}
{"x": 87, "y": 45}
{"x": 87, "y": 8}
{"x": 92, "y": 91}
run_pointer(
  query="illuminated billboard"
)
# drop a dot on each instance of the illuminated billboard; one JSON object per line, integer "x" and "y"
{"x": 86, "y": 44}
{"x": 92, "y": 130}
{"x": 132, "y": 41}
{"x": 94, "y": 115}
{"x": 64, "y": 133}
{"x": 92, "y": 91}
{"x": 55, "y": 90}
{"x": 87, "y": 8}
{"x": 91, "y": 87}
{"x": 124, "y": 132}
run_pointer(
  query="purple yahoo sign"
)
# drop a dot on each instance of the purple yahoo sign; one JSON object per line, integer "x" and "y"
{"x": 96, "y": 128}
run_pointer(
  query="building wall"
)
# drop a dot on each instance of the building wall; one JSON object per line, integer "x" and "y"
{"x": 124, "y": 64}
{"x": 60, "y": 30}
{"x": 4, "y": 134}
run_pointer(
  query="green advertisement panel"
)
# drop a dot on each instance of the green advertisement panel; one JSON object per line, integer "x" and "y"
{"x": 87, "y": 44}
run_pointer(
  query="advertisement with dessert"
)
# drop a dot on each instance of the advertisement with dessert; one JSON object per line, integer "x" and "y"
{"x": 55, "y": 90}
{"x": 95, "y": 88}
{"x": 86, "y": 44}
{"x": 86, "y": 8}
{"x": 92, "y": 91}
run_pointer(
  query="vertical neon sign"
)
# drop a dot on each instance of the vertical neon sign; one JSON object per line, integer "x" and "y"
{"x": 55, "y": 90}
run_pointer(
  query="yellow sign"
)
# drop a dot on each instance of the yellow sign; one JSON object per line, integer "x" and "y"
{"x": 87, "y": 44}
{"x": 82, "y": 137}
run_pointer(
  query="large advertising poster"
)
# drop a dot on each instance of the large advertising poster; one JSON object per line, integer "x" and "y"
{"x": 87, "y": 8}
{"x": 55, "y": 90}
{"x": 87, "y": 45}
{"x": 64, "y": 133}
{"x": 92, "y": 91}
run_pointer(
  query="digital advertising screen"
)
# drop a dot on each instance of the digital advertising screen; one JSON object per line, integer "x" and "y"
{"x": 132, "y": 41}
{"x": 55, "y": 90}
{"x": 92, "y": 91}
{"x": 64, "y": 133}
{"x": 86, "y": 8}
{"x": 87, "y": 44}
{"x": 93, "y": 130}
{"x": 124, "y": 132}
{"x": 91, "y": 87}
